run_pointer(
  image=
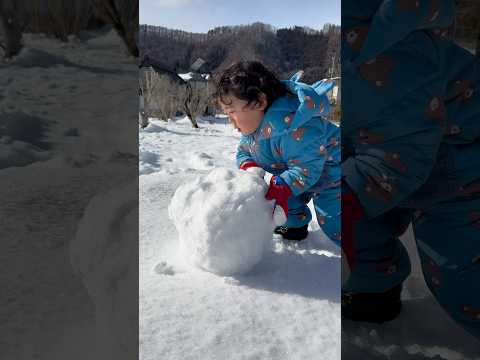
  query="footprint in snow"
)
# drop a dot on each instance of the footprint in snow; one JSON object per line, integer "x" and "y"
{"x": 163, "y": 268}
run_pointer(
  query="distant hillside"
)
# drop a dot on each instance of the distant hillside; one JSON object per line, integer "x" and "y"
{"x": 283, "y": 50}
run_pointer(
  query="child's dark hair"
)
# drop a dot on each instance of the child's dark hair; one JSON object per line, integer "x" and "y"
{"x": 245, "y": 80}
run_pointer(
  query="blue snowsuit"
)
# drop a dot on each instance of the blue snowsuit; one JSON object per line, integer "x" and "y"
{"x": 411, "y": 136}
{"x": 295, "y": 142}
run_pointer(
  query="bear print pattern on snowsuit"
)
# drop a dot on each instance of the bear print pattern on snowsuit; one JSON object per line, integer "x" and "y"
{"x": 411, "y": 112}
{"x": 296, "y": 142}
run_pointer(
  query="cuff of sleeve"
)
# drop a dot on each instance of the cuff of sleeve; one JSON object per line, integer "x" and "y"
{"x": 248, "y": 164}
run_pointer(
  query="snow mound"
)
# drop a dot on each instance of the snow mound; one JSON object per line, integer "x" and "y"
{"x": 223, "y": 221}
{"x": 104, "y": 254}
{"x": 20, "y": 153}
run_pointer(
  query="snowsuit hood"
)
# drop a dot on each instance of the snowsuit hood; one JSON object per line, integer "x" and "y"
{"x": 302, "y": 103}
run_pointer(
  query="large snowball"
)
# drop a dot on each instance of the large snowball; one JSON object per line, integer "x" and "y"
{"x": 223, "y": 220}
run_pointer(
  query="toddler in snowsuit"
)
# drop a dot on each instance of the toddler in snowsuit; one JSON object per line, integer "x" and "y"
{"x": 411, "y": 136}
{"x": 284, "y": 132}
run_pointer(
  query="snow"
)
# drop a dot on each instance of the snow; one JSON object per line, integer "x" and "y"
{"x": 285, "y": 307}
{"x": 63, "y": 97}
{"x": 173, "y": 147}
{"x": 62, "y": 143}
{"x": 106, "y": 258}
{"x": 189, "y": 76}
{"x": 223, "y": 220}
{"x": 19, "y": 153}
{"x": 186, "y": 76}
{"x": 422, "y": 331}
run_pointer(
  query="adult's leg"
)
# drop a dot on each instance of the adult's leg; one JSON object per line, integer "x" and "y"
{"x": 448, "y": 241}
{"x": 377, "y": 260}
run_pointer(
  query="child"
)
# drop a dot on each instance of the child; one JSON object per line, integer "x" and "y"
{"x": 411, "y": 132}
{"x": 284, "y": 133}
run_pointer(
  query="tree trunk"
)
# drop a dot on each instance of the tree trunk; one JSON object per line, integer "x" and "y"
{"x": 193, "y": 121}
{"x": 186, "y": 106}
{"x": 12, "y": 33}
{"x": 477, "y": 45}
{"x": 123, "y": 15}
{"x": 191, "y": 117}
{"x": 143, "y": 119}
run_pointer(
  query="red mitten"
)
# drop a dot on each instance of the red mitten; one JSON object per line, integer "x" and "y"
{"x": 248, "y": 164}
{"x": 253, "y": 168}
{"x": 280, "y": 192}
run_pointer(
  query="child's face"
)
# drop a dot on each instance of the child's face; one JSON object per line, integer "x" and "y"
{"x": 245, "y": 118}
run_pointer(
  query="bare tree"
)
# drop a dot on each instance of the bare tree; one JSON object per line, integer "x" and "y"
{"x": 62, "y": 18}
{"x": 143, "y": 115}
{"x": 161, "y": 95}
{"x": 167, "y": 96}
{"x": 196, "y": 100}
{"x": 11, "y": 26}
{"x": 67, "y": 18}
{"x": 477, "y": 49}
{"x": 148, "y": 83}
{"x": 123, "y": 15}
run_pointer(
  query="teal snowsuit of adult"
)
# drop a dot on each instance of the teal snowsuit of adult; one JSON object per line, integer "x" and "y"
{"x": 297, "y": 143}
{"x": 411, "y": 136}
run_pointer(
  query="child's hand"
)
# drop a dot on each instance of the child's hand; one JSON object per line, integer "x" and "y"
{"x": 280, "y": 192}
{"x": 253, "y": 168}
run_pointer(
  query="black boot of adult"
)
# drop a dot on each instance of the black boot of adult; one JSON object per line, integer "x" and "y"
{"x": 372, "y": 307}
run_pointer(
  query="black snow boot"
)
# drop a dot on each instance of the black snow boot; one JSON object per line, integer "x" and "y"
{"x": 292, "y": 233}
{"x": 372, "y": 307}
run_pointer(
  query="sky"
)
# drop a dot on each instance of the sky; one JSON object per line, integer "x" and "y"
{"x": 203, "y": 15}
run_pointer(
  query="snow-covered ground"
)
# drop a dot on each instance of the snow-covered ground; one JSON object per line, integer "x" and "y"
{"x": 422, "y": 331}
{"x": 287, "y": 307}
{"x": 68, "y": 120}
